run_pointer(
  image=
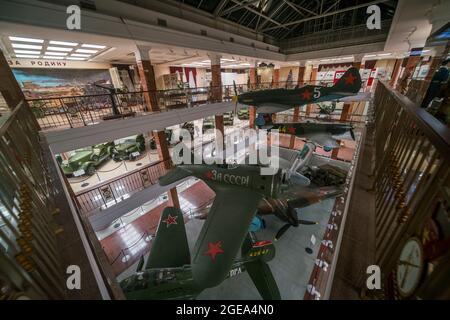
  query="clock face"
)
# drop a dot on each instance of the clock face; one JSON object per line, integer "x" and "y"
{"x": 409, "y": 267}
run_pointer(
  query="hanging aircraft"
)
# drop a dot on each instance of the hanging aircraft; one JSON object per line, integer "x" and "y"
{"x": 324, "y": 134}
{"x": 271, "y": 101}
{"x": 313, "y": 179}
{"x": 239, "y": 189}
{"x": 276, "y": 100}
{"x": 170, "y": 274}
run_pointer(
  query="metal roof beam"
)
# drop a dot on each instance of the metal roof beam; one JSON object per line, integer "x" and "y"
{"x": 292, "y": 23}
{"x": 245, "y": 5}
{"x": 274, "y": 12}
{"x": 237, "y": 6}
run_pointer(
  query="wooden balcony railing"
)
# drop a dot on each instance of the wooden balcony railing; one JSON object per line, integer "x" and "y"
{"x": 412, "y": 183}
{"x": 30, "y": 262}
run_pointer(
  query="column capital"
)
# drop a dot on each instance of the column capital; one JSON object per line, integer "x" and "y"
{"x": 142, "y": 53}
{"x": 215, "y": 58}
{"x": 358, "y": 57}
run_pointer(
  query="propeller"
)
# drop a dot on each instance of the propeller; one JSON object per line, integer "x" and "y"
{"x": 352, "y": 133}
{"x": 235, "y": 98}
{"x": 285, "y": 228}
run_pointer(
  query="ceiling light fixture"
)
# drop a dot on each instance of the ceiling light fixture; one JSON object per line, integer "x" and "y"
{"x": 86, "y": 51}
{"x": 95, "y": 46}
{"x": 27, "y": 56}
{"x": 26, "y": 39}
{"x": 26, "y": 46}
{"x": 370, "y": 55}
{"x": 75, "y": 58}
{"x": 52, "y": 57}
{"x": 59, "y": 49}
{"x": 384, "y": 54}
{"x": 48, "y": 53}
{"x": 27, "y": 52}
{"x": 80, "y": 55}
{"x": 63, "y": 43}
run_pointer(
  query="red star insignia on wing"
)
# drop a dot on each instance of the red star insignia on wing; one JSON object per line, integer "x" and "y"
{"x": 291, "y": 130}
{"x": 170, "y": 220}
{"x": 214, "y": 249}
{"x": 349, "y": 79}
{"x": 209, "y": 175}
{"x": 306, "y": 95}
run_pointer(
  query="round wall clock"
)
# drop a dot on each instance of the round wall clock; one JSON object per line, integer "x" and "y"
{"x": 410, "y": 267}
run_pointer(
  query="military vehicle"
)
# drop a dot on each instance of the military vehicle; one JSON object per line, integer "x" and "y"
{"x": 208, "y": 123}
{"x": 84, "y": 161}
{"x": 128, "y": 148}
{"x": 243, "y": 114}
{"x": 228, "y": 119}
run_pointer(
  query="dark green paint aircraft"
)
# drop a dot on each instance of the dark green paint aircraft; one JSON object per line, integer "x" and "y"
{"x": 169, "y": 273}
{"x": 321, "y": 133}
{"x": 271, "y": 101}
{"x": 276, "y": 100}
{"x": 239, "y": 190}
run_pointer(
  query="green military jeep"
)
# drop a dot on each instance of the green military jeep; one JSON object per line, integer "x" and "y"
{"x": 128, "y": 148}
{"x": 242, "y": 114}
{"x": 208, "y": 123}
{"x": 84, "y": 161}
{"x": 228, "y": 119}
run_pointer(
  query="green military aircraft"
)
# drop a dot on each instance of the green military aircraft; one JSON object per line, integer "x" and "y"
{"x": 240, "y": 189}
{"x": 170, "y": 274}
{"x": 276, "y": 100}
{"x": 322, "y": 133}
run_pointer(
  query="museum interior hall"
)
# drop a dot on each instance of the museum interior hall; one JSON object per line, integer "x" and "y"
{"x": 224, "y": 149}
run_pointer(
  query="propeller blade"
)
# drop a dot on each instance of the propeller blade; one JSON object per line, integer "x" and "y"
{"x": 299, "y": 179}
{"x": 307, "y": 222}
{"x": 282, "y": 230}
{"x": 235, "y": 98}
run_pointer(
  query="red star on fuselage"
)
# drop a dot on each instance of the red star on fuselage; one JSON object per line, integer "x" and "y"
{"x": 306, "y": 95}
{"x": 214, "y": 249}
{"x": 349, "y": 79}
{"x": 291, "y": 130}
{"x": 170, "y": 220}
{"x": 209, "y": 175}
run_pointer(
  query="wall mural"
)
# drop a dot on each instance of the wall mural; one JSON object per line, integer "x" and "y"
{"x": 45, "y": 83}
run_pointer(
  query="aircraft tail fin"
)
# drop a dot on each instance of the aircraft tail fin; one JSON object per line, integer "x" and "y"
{"x": 171, "y": 230}
{"x": 257, "y": 254}
{"x": 350, "y": 82}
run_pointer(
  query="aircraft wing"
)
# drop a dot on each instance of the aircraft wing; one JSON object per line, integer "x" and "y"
{"x": 321, "y": 138}
{"x": 170, "y": 246}
{"x": 223, "y": 233}
{"x": 301, "y": 197}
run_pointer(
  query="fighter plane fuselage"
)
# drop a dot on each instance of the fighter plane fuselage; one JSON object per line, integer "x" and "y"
{"x": 245, "y": 176}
